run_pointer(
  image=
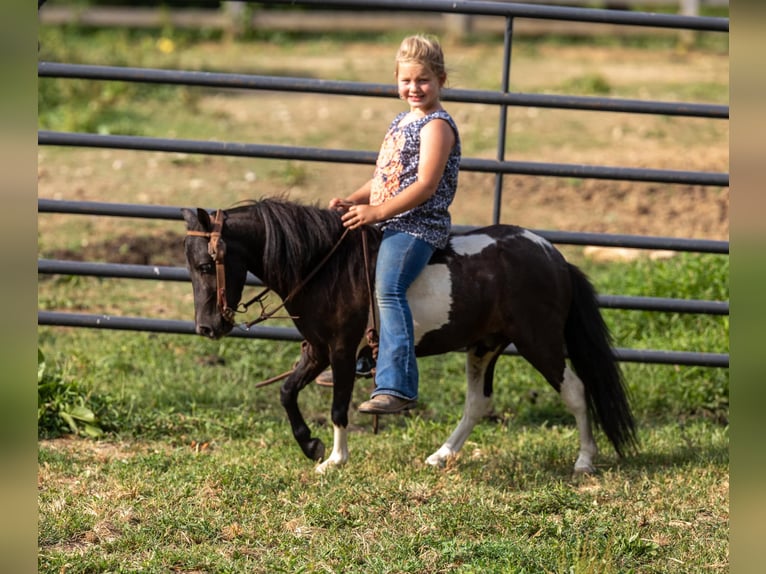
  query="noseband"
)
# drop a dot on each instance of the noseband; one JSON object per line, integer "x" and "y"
{"x": 217, "y": 248}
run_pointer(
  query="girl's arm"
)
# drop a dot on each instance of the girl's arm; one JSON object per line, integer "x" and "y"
{"x": 436, "y": 141}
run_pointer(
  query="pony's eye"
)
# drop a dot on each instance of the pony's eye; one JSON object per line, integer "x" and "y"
{"x": 207, "y": 268}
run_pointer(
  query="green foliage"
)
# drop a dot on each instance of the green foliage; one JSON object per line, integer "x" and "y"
{"x": 668, "y": 392}
{"x": 105, "y": 107}
{"x": 683, "y": 276}
{"x": 63, "y": 406}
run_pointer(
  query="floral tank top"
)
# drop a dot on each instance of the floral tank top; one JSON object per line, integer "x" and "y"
{"x": 397, "y": 168}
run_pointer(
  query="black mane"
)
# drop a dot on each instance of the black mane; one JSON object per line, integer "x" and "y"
{"x": 297, "y": 237}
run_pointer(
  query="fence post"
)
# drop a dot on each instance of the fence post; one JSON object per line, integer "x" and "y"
{"x": 236, "y": 18}
{"x": 688, "y": 8}
{"x": 503, "y": 120}
{"x": 458, "y": 26}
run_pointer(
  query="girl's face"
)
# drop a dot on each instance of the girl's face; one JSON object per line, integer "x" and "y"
{"x": 419, "y": 87}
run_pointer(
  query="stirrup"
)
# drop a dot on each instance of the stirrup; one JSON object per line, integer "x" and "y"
{"x": 365, "y": 361}
{"x": 365, "y": 366}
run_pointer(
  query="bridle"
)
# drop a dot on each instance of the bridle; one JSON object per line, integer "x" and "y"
{"x": 217, "y": 249}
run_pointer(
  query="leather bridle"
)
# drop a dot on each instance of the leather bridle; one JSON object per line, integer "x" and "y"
{"x": 217, "y": 249}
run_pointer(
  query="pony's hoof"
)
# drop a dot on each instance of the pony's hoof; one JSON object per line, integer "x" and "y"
{"x": 440, "y": 457}
{"x": 581, "y": 469}
{"x": 437, "y": 460}
{"x": 329, "y": 464}
{"x": 315, "y": 449}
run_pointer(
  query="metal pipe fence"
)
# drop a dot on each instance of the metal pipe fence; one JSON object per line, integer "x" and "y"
{"x": 145, "y": 211}
{"x": 499, "y": 166}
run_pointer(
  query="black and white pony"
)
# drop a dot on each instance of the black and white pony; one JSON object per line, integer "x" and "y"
{"x": 488, "y": 288}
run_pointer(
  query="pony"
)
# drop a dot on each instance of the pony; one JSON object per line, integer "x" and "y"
{"x": 489, "y": 288}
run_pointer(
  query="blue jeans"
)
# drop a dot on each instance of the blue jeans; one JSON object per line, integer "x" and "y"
{"x": 401, "y": 258}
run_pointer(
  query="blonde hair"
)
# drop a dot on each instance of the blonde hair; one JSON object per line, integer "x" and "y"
{"x": 423, "y": 50}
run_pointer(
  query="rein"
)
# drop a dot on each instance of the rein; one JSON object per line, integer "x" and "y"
{"x": 217, "y": 249}
{"x": 372, "y": 331}
{"x": 258, "y": 298}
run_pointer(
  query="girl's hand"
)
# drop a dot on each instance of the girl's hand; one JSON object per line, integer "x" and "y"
{"x": 339, "y": 205}
{"x": 358, "y": 215}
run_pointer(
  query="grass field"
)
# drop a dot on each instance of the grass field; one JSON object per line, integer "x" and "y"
{"x": 196, "y": 470}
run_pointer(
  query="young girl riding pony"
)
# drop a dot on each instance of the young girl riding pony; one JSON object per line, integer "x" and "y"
{"x": 409, "y": 195}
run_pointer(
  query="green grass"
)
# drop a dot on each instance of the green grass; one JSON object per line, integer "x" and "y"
{"x": 198, "y": 471}
{"x": 507, "y": 505}
{"x": 149, "y": 498}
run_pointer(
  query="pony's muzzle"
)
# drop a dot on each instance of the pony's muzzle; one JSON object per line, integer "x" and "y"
{"x": 206, "y": 331}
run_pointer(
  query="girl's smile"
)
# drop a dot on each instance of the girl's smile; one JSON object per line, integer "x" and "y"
{"x": 419, "y": 87}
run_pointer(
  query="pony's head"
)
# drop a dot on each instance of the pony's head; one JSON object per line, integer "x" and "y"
{"x": 218, "y": 272}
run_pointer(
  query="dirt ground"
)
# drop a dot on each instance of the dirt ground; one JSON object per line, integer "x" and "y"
{"x": 597, "y": 206}
{"x": 537, "y": 202}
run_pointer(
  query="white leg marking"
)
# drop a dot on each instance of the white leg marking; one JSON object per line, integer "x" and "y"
{"x": 573, "y": 394}
{"x": 339, "y": 455}
{"x": 476, "y": 407}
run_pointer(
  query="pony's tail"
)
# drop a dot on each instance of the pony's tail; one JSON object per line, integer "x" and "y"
{"x": 588, "y": 343}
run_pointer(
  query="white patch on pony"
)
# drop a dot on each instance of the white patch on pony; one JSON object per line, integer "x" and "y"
{"x": 430, "y": 298}
{"x": 471, "y": 244}
{"x": 538, "y": 240}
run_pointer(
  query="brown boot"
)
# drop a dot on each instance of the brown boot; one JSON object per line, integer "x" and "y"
{"x": 386, "y": 405}
{"x": 325, "y": 378}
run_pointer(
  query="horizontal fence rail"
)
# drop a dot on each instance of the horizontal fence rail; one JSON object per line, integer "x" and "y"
{"x": 322, "y": 20}
{"x": 561, "y": 237}
{"x": 538, "y": 12}
{"x": 167, "y": 273}
{"x": 55, "y": 318}
{"x": 503, "y": 99}
{"x": 233, "y": 149}
{"x": 337, "y": 87}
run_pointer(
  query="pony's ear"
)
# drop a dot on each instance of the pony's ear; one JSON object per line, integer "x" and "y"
{"x": 188, "y": 217}
{"x": 204, "y": 218}
{"x": 197, "y": 217}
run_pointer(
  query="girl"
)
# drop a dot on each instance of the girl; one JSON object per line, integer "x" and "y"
{"x": 409, "y": 195}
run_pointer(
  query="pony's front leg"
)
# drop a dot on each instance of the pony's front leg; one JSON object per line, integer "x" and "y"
{"x": 339, "y": 454}
{"x": 479, "y": 368}
{"x": 309, "y": 366}
{"x": 573, "y": 395}
{"x": 343, "y": 385}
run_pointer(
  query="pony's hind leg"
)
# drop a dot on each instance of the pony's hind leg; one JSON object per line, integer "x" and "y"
{"x": 479, "y": 368}
{"x": 573, "y": 395}
{"x": 548, "y": 359}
